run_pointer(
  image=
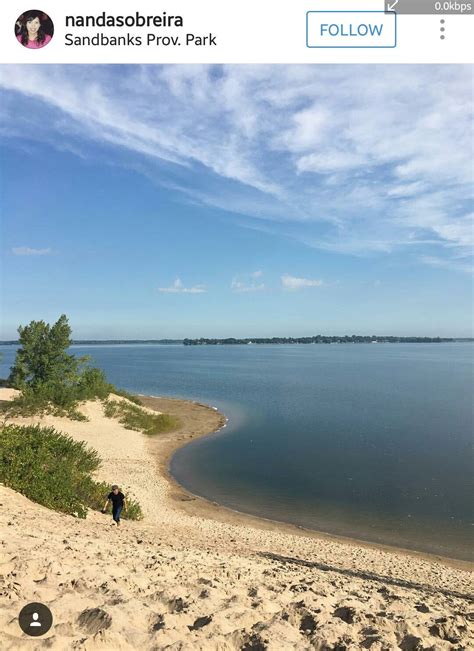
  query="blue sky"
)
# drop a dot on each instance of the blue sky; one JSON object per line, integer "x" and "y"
{"x": 173, "y": 201}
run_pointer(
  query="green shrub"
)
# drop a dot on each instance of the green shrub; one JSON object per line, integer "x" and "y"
{"x": 92, "y": 384}
{"x": 44, "y": 399}
{"x": 52, "y": 469}
{"x": 136, "y": 418}
{"x": 47, "y": 466}
{"x": 62, "y": 400}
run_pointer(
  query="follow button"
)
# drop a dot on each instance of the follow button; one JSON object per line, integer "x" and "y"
{"x": 351, "y": 29}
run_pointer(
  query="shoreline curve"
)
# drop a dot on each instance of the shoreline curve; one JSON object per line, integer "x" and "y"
{"x": 164, "y": 448}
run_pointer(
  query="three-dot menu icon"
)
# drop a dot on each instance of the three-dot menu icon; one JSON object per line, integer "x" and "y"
{"x": 442, "y": 29}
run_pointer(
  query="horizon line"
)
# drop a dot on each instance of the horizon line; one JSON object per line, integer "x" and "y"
{"x": 6, "y": 342}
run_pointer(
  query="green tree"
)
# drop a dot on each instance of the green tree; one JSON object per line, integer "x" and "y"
{"x": 48, "y": 377}
{"x": 42, "y": 358}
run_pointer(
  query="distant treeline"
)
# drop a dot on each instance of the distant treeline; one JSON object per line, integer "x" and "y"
{"x": 318, "y": 339}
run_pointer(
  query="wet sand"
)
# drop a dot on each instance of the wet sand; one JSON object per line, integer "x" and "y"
{"x": 198, "y": 420}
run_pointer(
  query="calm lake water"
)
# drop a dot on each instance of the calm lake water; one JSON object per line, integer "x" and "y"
{"x": 367, "y": 441}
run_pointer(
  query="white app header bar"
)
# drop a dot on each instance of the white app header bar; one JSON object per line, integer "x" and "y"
{"x": 212, "y": 31}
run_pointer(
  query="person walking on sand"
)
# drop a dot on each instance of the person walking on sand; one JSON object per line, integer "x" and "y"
{"x": 119, "y": 502}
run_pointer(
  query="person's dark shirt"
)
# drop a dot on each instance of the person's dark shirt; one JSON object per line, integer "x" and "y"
{"x": 117, "y": 500}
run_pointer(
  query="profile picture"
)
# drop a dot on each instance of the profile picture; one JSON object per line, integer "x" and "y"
{"x": 34, "y": 29}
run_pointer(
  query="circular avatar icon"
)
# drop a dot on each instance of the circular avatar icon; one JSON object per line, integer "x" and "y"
{"x": 35, "y": 619}
{"x": 34, "y": 29}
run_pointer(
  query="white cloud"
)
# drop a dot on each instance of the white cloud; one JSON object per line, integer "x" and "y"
{"x": 292, "y": 282}
{"x": 27, "y": 250}
{"x": 245, "y": 283}
{"x": 178, "y": 288}
{"x": 360, "y": 159}
{"x": 308, "y": 128}
{"x": 406, "y": 189}
{"x": 330, "y": 161}
{"x": 453, "y": 264}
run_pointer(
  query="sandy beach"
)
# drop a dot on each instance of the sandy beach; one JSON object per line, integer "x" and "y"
{"x": 194, "y": 575}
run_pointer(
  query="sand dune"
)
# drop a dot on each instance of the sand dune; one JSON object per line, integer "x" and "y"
{"x": 195, "y": 576}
